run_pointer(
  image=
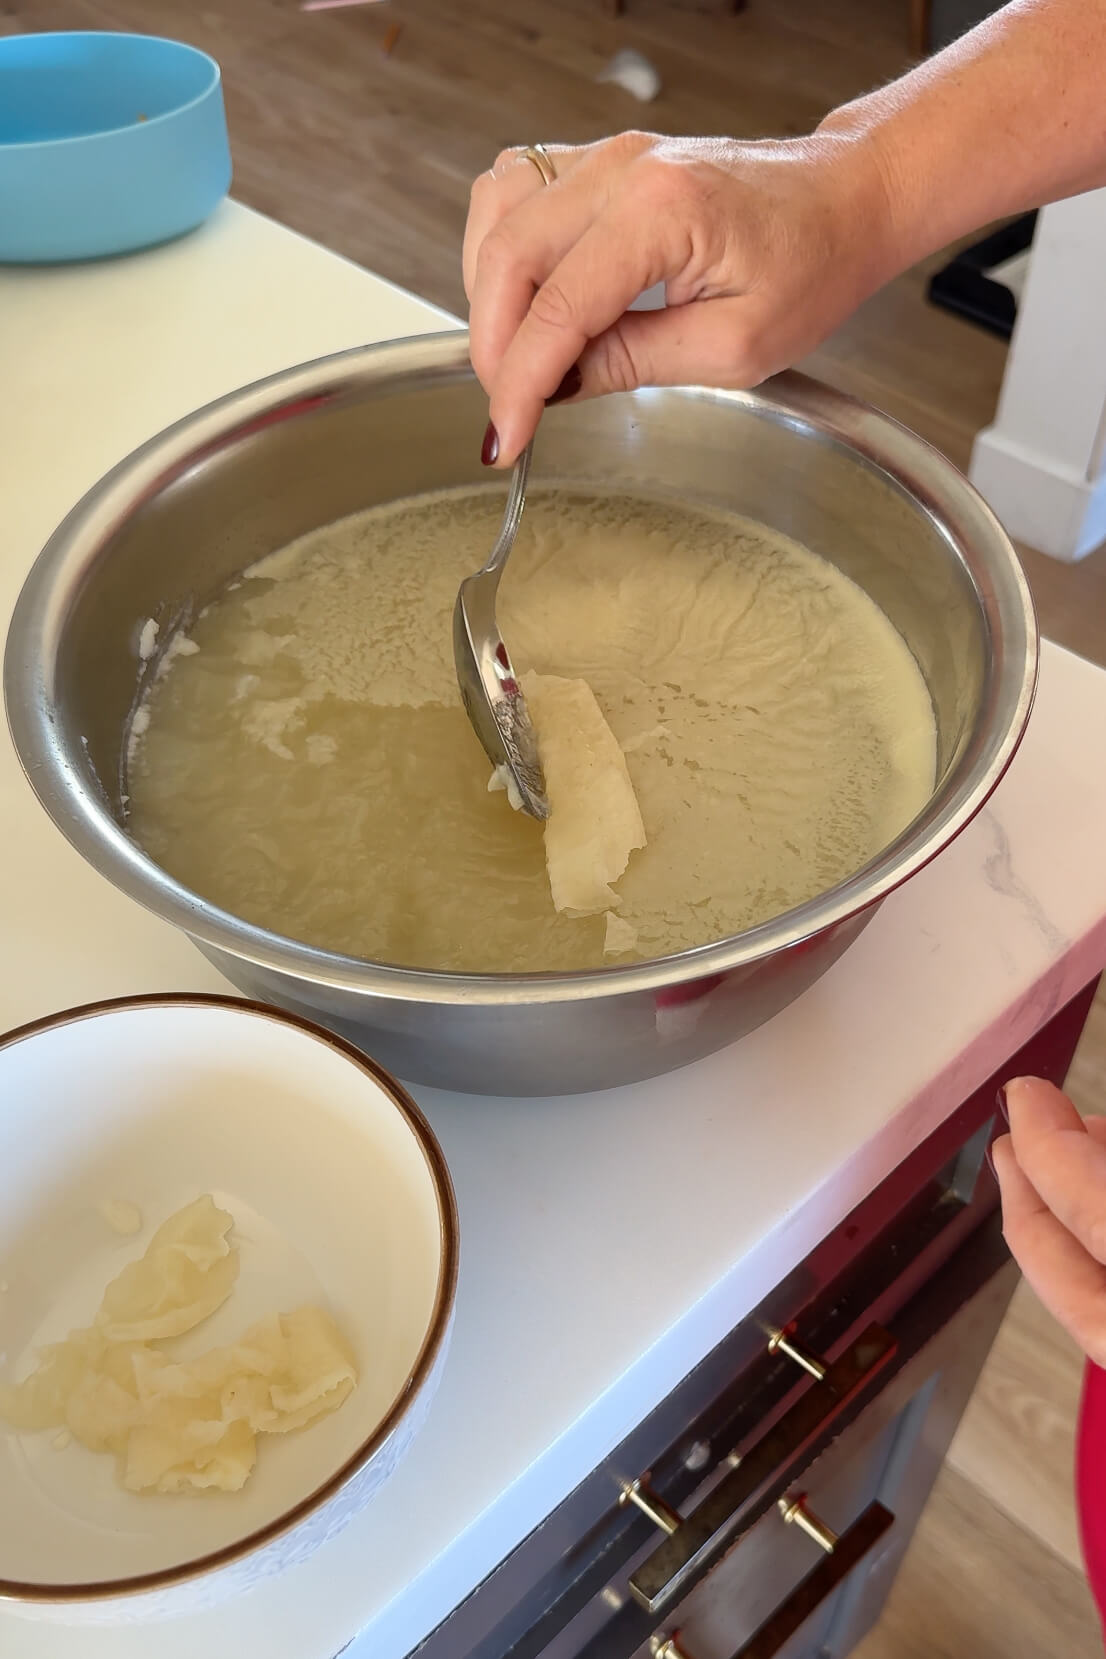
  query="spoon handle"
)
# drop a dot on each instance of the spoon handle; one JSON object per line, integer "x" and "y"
{"x": 516, "y": 500}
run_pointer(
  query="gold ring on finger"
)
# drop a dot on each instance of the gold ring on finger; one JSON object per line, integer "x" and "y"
{"x": 542, "y": 160}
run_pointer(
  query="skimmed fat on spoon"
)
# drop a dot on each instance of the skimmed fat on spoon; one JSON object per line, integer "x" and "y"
{"x": 489, "y": 685}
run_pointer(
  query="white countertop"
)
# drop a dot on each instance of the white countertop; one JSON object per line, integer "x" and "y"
{"x": 572, "y": 1320}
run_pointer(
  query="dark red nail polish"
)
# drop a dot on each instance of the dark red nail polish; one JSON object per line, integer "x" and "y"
{"x": 569, "y": 386}
{"x": 489, "y": 449}
{"x": 1000, "y": 1102}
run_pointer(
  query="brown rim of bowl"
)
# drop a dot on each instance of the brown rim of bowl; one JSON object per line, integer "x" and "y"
{"x": 13, "y": 1590}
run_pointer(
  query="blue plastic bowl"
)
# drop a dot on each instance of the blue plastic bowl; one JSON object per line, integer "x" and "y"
{"x": 108, "y": 143}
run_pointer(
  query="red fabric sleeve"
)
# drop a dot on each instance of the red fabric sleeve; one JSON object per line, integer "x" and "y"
{"x": 1090, "y": 1482}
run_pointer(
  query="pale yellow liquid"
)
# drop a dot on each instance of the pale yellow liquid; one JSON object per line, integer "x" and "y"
{"x": 309, "y": 767}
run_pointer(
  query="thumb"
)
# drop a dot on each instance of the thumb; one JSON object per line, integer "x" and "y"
{"x": 1066, "y": 1166}
{"x": 1036, "y": 1108}
{"x": 718, "y": 342}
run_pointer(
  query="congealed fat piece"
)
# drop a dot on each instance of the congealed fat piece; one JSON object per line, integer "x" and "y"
{"x": 183, "y": 1425}
{"x": 594, "y": 823}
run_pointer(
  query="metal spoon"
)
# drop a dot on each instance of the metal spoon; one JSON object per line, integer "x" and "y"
{"x": 489, "y": 687}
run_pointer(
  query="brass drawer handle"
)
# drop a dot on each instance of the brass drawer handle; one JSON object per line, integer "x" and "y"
{"x": 667, "y": 1647}
{"x": 641, "y": 1495}
{"x": 780, "y": 1343}
{"x": 796, "y": 1513}
{"x": 696, "y": 1541}
{"x": 838, "y": 1561}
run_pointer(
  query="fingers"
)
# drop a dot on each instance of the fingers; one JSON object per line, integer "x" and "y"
{"x": 578, "y": 312}
{"x": 517, "y": 255}
{"x": 1068, "y": 1280}
{"x": 615, "y": 259}
{"x": 493, "y": 195}
{"x": 722, "y": 342}
{"x": 548, "y": 268}
{"x": 1065, "y": 1165}
{"x": 510, "y": 182}
{"x": 1052, "y": 1172}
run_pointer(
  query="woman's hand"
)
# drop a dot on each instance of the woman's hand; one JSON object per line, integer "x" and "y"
{"x": 1051, "y": 1169}
{"x": 766, "y": 247}
{"x": 763, "y": 249}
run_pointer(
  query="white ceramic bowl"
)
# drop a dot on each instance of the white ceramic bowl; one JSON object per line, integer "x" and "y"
{"x": 340, "y": 1196}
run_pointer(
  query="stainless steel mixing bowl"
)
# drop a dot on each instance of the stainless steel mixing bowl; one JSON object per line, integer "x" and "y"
{"x": 168, "y": 527}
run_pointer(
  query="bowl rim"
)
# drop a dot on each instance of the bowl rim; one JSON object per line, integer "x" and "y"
{"x": 12, "y": 43}
{"x": 18, "y": 1590}
{"x": 941, "y": 493}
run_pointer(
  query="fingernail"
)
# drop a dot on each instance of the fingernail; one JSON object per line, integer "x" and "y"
{"x": 489, "y": 449}
{"x": 569, "y": 386}
{"x": 1000, "y": 1102}
{"x": 990, "y": 1160}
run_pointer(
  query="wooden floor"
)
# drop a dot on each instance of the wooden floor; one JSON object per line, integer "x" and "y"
{"x": 371, "y": 152}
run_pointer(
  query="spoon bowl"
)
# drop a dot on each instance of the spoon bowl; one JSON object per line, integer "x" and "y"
{"x": 489, "y": 686}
